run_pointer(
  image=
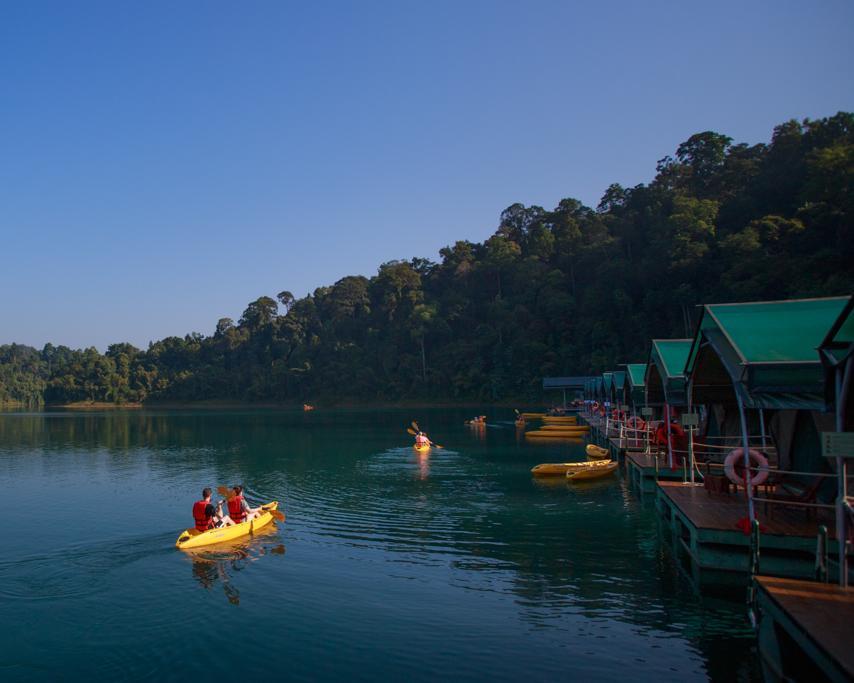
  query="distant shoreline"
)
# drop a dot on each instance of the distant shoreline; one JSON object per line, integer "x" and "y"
{"x": 243, "y": 405}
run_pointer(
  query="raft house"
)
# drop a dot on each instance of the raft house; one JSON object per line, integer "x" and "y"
{"x": 766, "y": 386}
{"x": 575, "y": 385}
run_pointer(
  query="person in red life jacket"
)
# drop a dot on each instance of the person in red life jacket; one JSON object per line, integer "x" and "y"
{"x": 238, "y": 508}
{"x": 421, "y": 440}
{"x": 206, "y": 516}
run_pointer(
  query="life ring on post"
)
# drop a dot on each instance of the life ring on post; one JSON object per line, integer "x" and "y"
{"x": 734, "y": 467}
{"x": 636, "y": 423}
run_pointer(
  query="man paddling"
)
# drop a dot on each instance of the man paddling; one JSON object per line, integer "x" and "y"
{"x": 206, "y": 516}
{"x": 421, "y": 440}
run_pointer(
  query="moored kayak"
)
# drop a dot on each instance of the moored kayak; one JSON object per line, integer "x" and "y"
{"x": 595, "y": 452}
{"x": 193, "y": 538}
{"x": 594, "y": 470}
{"x": 532, "y": 416}
{"x": 556, "y": 433}
{"x": 557, "y": 469}
{"x": 567, "y": 428}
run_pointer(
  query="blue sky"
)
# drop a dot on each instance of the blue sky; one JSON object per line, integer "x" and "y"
{"x": 162, "y": 164}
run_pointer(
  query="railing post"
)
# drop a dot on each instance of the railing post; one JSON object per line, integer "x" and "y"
{"x": 746, "y": 446}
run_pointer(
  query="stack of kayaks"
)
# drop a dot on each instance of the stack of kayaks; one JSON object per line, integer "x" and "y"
{"x": 595, "y": 452}
{"x": 559, "y": 469}
{"x": 594, "y": 470}
{"x": 193, "y": 538}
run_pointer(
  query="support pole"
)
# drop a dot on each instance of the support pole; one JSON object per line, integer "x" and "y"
{"x": 762, "y": 426}
{"x": 669, "y": 444}
{"x": 746, "y": 447}
{"x": 842, "y": 478}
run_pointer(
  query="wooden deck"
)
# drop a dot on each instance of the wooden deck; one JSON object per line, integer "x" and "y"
{"x": 723, "y": 512}
{"x": 706, "y": 528}
{"x": 818, "y": 617}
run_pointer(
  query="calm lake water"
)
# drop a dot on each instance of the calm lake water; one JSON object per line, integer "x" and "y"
{"x": 391, "y": 565}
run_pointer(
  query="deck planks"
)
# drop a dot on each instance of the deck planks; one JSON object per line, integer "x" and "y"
{"x": 821, "y": 611}
{"x": 723, "y": 512}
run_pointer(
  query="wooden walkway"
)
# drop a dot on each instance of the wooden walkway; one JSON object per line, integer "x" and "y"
{"x": 818, "y": 617}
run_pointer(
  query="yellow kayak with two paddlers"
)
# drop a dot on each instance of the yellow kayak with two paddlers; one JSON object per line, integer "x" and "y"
{"x": 193, "y": 538}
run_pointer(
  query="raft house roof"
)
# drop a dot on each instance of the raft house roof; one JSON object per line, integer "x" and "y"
{"x": 665, "y": 372}
{"x": 764, "y": 353}
{"x": 633, "y": 384}
{"x": 618, "y": 380}
{"x": 837, "y": 349}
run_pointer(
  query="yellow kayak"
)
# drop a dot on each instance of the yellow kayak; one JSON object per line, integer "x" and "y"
{"x": 559, "y": 440}
{"x": 558, "y": 469}
{"x": 532, "y": 416}
{"x": 594, "y": 470}
{"x": 595, "y": 452}
{"x": 421, "y": 449}
{"x": 556, "y": 433}
{"x": 565, "y": 428}
{"x": 193, "y": 538}
{"x": 556, "y": 418}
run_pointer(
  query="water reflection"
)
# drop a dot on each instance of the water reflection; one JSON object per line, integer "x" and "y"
{"x": 219, "y": 563}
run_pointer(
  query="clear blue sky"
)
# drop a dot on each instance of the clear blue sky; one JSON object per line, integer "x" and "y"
{"x": 164, "y": 163}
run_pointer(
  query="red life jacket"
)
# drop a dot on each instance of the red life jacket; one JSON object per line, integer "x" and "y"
{"x": 203, "y": 522}
{"x": 235, "y": 509}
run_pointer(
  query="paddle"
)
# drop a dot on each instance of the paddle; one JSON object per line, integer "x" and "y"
{"x": 229, "y": 494}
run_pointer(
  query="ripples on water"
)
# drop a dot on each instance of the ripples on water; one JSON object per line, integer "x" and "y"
{"x": 454, "y": 563}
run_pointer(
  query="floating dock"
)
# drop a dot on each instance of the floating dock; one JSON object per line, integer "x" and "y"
{"x": 806, "y": 630}
{"x": 705, "y": 527}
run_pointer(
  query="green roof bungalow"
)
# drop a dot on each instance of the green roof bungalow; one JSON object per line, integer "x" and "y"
{"x": 665, "y": 380}
{"x": 607, "y": 386}
{"x": 618, "y": 381}
{"x": 750, "y": 358}
{"x": 634, "y": 386}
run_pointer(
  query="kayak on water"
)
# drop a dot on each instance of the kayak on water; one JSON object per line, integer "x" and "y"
{"x": 421, "y": 448}
{"x": 193, "y": 538}
{"x": 558, "y": 469}
{"x": 594, "y": 470}
{"x": 595, "y": 452}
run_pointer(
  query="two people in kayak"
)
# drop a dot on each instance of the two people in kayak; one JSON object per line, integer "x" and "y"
{"x": 206, "y": 516}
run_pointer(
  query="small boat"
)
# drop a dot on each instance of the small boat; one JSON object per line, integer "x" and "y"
{"x": 595, "y": 452}
{"x": 540, "y": 434}
{"x": 193, "y": 538}
{"x": 421, "y": 449}
{"x": 532, "y": 416}
{"x": 558, "y": 469}
{"x": 594, "y": 470}
{"x": 564, "y": 428}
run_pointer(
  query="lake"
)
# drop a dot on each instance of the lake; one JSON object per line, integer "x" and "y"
{"x": 391, "y": 565}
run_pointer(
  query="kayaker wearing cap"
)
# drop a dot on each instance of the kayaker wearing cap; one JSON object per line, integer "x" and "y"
{"x": 206, "y": 516}
{"x": 421, "y": 439}
{"x": 239, "y": 509}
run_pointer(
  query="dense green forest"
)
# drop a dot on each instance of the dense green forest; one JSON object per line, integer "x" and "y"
{"x": 568, "y": 291}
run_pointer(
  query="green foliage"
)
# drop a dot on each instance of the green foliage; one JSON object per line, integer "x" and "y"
{"x": 568, "y": 291}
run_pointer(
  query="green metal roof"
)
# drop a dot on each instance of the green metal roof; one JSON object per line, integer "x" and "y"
{"x": 607, "y": 379}
{"x": 618, "y": 390}
{"x": 665, "y": 373}
{"x": 634, "y": 385}
{"x": 635, "y": 374}
{"x": 765, "y": 351}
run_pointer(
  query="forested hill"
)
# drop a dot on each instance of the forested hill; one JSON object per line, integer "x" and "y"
{"x": 565, "y": 291}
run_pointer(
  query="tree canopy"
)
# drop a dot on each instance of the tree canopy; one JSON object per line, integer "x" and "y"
{"x": 562, "y": 292}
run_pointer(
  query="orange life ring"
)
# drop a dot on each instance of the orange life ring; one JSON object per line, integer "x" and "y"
{"x": 735, "y": 461}
{"x": 636, "y": 423}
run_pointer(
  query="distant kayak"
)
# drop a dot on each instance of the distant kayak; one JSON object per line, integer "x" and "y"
{"x": 421, "y": 449}
{"x": 193, "y": 538}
